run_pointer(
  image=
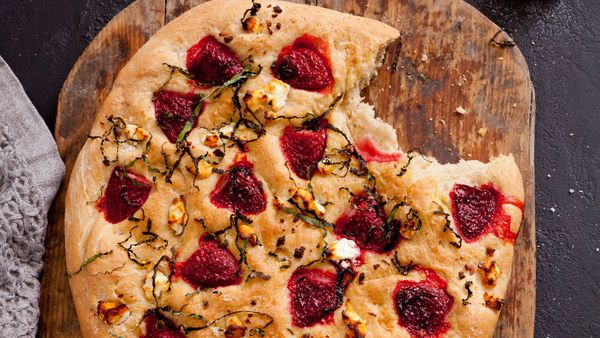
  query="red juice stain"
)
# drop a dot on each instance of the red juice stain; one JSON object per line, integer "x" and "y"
{"x": 478, "y": 210}
{"x": 303, "y": 148}
{"x": 172, "y": 110}
{"x": 210, "y": 266}
{"x": 124, "y": 194}
{"x": 212, "y": 62}
{"x": 423, "y": 306}
{"x": 432, "y": 277}
{"x": 239, "y": 190}
{"x": 364, "y": 222}
{"x": 159, "y": 326}
{"x": 369, "y": 151}
{"x": 305, "y": 65}
{"x": 313, "y": 296}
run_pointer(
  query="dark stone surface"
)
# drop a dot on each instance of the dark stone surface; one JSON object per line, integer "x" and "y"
{"x": 561, "y": 43}
{"x": 41, "y": 40}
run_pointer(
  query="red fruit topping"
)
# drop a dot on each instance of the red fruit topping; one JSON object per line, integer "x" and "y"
{"x": 313, "y": 296}
{"x": 305, "y": 64}
{"x": 159, "y": 326}
{"x": 172, "y": 110}
{"x": 212, "y": 62}
{"x": 125, "y": 193}
{"x": 364, "y": 222}
{"x": 423, "y": 306}
{"x": 210, "y": 266}
{"x": 304, "y": 148}
{"x": 369, "y": 151}
{"x": 239, "y": 190}
{"x": 477, "y": 211}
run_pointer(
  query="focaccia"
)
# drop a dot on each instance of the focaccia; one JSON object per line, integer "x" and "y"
{"x": 236, "y": 184}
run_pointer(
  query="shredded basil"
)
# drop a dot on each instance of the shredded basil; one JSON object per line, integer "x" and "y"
{"x": 151, "y": 238}
{"x": 235, "y": 82}
{"x": 189, "y": 329}
{"x": 234, "y": 223}
{"x": 465, "y": 301}
{"x": 88, "y": 261}
{"x": 310, "y": 219}
{"x": 402, "y": 269}
{"x": 286, "y": 262}
{"x": 447, "y": 226}
{"x": 252, "y": 11}
{"x": 404, "y": 168}
{"x": 104, "y": 273}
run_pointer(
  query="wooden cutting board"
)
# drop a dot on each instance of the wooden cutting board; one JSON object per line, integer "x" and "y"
{"x": 445, "y": 60}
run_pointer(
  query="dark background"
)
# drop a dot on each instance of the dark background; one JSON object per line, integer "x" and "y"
{"x": 41, "y": 40}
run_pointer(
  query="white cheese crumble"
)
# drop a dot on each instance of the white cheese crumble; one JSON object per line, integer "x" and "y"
{"x": 177, "y": 216}
{"x": 270, "y": 99}
{"x": 304, "y": 198}
{"x": 135, "y": 133}
{"x": 344, "y": 249}
{"x": 161, "y": 284}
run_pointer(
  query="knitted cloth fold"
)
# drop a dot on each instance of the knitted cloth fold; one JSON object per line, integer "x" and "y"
{"x": 30, "y": 173}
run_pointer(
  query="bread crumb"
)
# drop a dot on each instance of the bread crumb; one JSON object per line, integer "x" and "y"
{"x": 482, "y": 132}
{"x": 460, "y": 110}
{"x": 424, "y": 58}
{"x": 443, "y": 122}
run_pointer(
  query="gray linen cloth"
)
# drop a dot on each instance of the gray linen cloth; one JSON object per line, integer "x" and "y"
{"x": 30, "y": 173}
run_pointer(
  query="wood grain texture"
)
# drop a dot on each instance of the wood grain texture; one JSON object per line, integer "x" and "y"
{"x": 445, "y": 60}
{"x": 88, "y": 83}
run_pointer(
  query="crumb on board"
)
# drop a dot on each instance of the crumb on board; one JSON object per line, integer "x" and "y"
{"x": 460, "y": 110}
{"x": 482, "y": 132}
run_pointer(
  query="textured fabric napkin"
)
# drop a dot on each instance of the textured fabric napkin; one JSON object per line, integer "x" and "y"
{"x": 30, "y": 173}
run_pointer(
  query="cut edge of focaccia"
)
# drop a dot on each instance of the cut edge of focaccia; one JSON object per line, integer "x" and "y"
{"x": 427, "y": 184}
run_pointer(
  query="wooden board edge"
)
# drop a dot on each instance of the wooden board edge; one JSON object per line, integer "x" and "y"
{"x": 72, "y": 73}
{"x": 56, "y": 281}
